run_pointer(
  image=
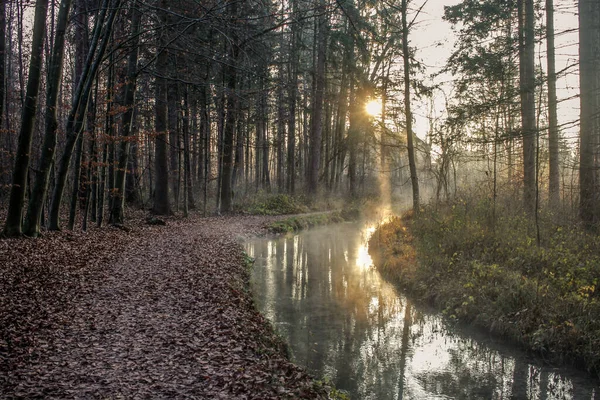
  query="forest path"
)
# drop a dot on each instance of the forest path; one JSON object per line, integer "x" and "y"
{"x": 169, "y": 317}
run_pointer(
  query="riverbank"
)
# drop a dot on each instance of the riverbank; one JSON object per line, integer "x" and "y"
{"x": 298, "y": 223}
{"x": 544, "y": 298}
{"x": 152, "y": 311}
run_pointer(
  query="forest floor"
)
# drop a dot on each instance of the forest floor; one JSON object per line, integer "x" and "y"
{"x": 148, "y": 312}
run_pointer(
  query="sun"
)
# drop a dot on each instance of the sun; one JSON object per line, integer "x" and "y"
{"x": 373, "y": 107}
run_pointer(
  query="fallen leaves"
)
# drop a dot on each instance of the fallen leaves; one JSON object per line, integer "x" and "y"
{"x": 151, "y": 312}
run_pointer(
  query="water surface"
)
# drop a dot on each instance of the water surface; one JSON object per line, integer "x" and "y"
{"x": 344, "y": 322}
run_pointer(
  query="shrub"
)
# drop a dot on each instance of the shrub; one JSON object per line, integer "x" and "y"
{"x": 279, "y": 204}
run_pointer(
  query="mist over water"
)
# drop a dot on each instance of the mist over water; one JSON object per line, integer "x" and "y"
{"x": 344, "y": 322}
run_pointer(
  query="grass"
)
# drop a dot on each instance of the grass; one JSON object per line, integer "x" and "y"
{"x": 492, "y": 273}
{"x": 301, "y": 222}
{"x": 279, "y": 204}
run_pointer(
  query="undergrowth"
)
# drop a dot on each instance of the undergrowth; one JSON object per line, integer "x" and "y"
{"x": 279, "y": 204}
{"x": 492, "y": 273}
{"x": 301, "y": 222}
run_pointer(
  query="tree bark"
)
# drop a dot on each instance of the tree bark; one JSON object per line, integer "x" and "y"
{"x": 187, "y": 162}
{"x": 78, "y": 111}
{"x": 407, "y": 110}
{"x": 118, "y": 203}
{"x": 553, "y": 132}
{"x": 589, "y": 79}
{"x": 161, "y": 158}
{"x": 2, "y": 62}
{"x": 172, "y": 111}
{"x": 293, "y": 98}
{"x": 527, "y": 89}
{"x": 40, "y": 189}
{"x": 230, "y": 120}
{"x": 316, "y": 130}
{"x": 13, "y": 226}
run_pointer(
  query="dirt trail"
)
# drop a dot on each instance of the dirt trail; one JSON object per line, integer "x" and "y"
{"x": 166, "y": 316}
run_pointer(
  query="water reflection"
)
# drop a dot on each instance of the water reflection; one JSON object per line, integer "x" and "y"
{"x": 343, "y": 321}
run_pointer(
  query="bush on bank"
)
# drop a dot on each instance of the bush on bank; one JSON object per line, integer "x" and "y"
{"x": 492, "y": 273}
{"x": 301, "y": 222}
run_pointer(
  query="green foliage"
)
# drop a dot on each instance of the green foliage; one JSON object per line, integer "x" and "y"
{"x": 248, "y": 261}
{"x": 302, "y": 222}
{"x": 494, "y": 274}
{"x": 279, "y": 204}
{"x": 333, "y": 392}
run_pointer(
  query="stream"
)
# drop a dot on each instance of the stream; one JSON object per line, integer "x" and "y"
{"x": 344, "y": 322}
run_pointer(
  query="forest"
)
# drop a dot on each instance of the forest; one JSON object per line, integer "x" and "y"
{"x": 477, "y": 120}
{"x": 181, "y": 105}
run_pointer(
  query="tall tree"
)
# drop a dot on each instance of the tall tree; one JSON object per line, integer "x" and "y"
{"x": 527, "y": 89}
{"x": 553, "y": 132}
{"x": 14, "y": 217}
{"x": 40, "y": 189}
{"x": 589, "y": 79}
{"x": 230, "y": 78}
{"x": 407, "y": 109}
{"x": 118, "y": 203}
{"x": 78, "y": 112}
{"x": 2, "y": 60}
{"x": 161, "y": 158}
{"x": 316, "y": 130}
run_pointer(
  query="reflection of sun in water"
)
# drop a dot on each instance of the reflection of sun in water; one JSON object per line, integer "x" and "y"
{"x": 373, "y": 107}
{"x": 363, "y": 259}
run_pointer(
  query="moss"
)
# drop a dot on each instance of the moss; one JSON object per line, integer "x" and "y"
{"x": 494, "y": 274}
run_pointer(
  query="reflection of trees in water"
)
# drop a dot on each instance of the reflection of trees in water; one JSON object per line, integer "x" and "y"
{"x": 476, "y": 371}
{"x": 344, "y": 322}
{"x": 331, "y": 311}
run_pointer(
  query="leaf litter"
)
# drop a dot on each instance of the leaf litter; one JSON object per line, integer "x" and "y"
{"x": 148, "y": 312}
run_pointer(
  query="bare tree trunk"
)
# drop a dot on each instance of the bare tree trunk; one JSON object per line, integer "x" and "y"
{"x": 293, "y": 98}
{"x": 527, "y": 88}
{"x": 280, "y": 148}
{"x": 189, "y": 202}
{"x": 118, "y": 203}
{"x": 226, "y": 194}
{"x": 2, "y": 63}
{"x": 107, "y": 147}
{"x": 13, "y": 226}
{"x": 40, "y": 190}
{"x": 76, "y": 182}
{"x": 161, "y": 159}
{"x": 553, "y": 133}
{"x": 407, "y": 110}
{"x": 172, "y": 111}
{"x": 316, "y": 131}
{"x": 589, "y": 79}
{"x": 78, "y": 111}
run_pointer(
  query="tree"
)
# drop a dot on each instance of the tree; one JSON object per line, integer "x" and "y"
{"x": 2, "y": 60}
{"x": 407, "y": 110}
{"x": 527, "y": 90}
{"x": 553, "y": 132}
{"x": 316, "y": 130}
{"x": 13, "y": 225}
{"x": 230, "y": 78}
{"x": 78, "y": 112}
{"x": 161, "y": 156}
{"x": 589, "y": 80}
{"x": 118, "y": 203}
{"x": 40, "y": 189}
